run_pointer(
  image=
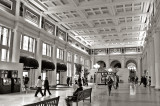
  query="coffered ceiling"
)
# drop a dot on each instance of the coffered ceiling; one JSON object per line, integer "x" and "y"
{"x": 101, "y": 23}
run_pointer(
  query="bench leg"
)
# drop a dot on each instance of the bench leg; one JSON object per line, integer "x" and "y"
{"x": 77, "y": 103}
{"x": 90, "y": 99}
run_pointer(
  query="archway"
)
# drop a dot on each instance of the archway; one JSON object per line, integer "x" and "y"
{"x": 130, "y": 61}
{"x": 102, "y": 64}
{"x": 131, "y": 65}
{"x": 115, "y": 64}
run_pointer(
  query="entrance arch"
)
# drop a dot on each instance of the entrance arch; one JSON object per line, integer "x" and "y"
{"x": 131, "y": 65}
{"x": 115, "y": 64}
{"x": 102, "y": 64}
{"x": 129, "y": 62}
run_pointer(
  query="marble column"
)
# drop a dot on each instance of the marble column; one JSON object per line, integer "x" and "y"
{"x": 123, "y": 62}
{"x": 107, "y": 61}
{"x": 16, "y": 45}
{"x": 157, "y": 56}
{"x": 148, "y": 59}
{"x": 38, "y": 57}
{"x": 152, "y": 61}
{"x": 72, "y": 69}
{"x": 64, "y": 74}
{"x": 54, "y": 73}
{"x": 139, "y": 71}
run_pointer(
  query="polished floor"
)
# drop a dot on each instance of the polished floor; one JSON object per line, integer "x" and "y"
{"x": 125, "y": 95}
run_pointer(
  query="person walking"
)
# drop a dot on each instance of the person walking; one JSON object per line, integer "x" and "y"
{"x": 110, "y": 83}
{"x": 46, "y": 86}
{"x": 117, "y": 81}
{"x": 39, "y": 86}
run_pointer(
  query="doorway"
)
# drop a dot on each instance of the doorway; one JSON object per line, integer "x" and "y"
{"x": 58, "y": 78}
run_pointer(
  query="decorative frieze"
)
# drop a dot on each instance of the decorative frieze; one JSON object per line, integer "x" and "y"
{"x": 8, "y": 6}
{"x": 48, "y": 26}
{"x": 61, "y": 34}
{"x": 115, "y": 50}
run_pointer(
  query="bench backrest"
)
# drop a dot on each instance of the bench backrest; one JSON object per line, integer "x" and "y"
{"x": 84, "y": 94}
{"x": 48, "y": 102}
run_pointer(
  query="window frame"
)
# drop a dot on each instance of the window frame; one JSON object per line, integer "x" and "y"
{"x": 31, "y": 43}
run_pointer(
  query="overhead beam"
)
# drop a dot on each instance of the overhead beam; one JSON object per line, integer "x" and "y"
{"x": 111, "y": 33}
{"x": 106, "y": 16}
{"x": 95, "y": 5}
{"x": 108, "y": 26}
{"x": 110, "y": 38}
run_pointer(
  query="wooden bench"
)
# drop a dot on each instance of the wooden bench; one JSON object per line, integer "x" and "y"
{"x": 48, "y": 102}
{"x": 82, "y": 95}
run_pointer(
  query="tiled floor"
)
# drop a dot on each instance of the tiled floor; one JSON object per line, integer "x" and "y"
{"x": 126, "y": 95}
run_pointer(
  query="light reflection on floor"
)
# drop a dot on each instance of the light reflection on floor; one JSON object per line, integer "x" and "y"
{"x": 132, "y": 89}
{"x": 125, "y": 95}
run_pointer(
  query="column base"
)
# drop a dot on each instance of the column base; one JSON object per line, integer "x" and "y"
{"x": 157, "y": 88}
{"x": 152, "y": 86}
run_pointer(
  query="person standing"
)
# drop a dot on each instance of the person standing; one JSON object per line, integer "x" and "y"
{"x": 145, "y": 81}
{"x": 12, "y": 84}
{"x": 26, "y": 82}
{"x": 149, "y": 81}
{"x": 68, "y": 80}
{"x": 142, "y": 80}
{"x": 46, "y": 86}
{"x": 110, "y": 83}
{"x": 39, "y": 86}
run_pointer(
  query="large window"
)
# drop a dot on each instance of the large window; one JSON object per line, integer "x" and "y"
{"x": 27, "y": 43}
{"x": 82, "y": 60}
{"x": 46, "y": 49}
{"x": 60, "y": 53}
{"x": 4, "y": 43}
{"x": 87, "y": 63}
{"x": 76, "y": 58}
{"x": 69, "y": 56}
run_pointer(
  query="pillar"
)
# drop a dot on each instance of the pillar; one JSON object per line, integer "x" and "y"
{"x": 72, "y": 69}
{"x": 139, "y": 71}
{"x": 157, "y": 57}
{"x": 64, "y": 74}
{"x": 152, "y": 61}
{"x": 16, "y": 44}
{"x": 107, "y": 61}
{"x": 38, "y": 57}
{"x": 54, "y": 73}
{"x": 148, "y": 58}
{"x": 123, "y": 64}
